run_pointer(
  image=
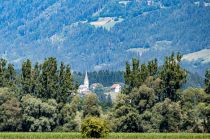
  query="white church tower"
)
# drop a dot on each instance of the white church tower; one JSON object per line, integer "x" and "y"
{"x": 86, "y": 81}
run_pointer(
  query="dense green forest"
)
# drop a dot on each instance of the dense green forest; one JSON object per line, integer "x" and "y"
{"x": 44, "y": 98}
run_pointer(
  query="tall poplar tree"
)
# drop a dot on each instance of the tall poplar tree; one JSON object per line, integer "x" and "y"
{"x": 36, "y": 85}
{"x": 49, "y": 78}
{"x": 207, "y": 82}
{"x": 26, "y": 76}
{"x": 10, "y": 75}
{"x": 172, "y": 75}
{"x": 152, "y": 67}
{"x": 3, "y": 64}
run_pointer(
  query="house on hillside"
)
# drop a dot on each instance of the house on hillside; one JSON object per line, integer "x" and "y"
{"x": 116, "y": 88}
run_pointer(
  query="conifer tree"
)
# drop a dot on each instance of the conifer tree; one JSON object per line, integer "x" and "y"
{"x": 172, "y": 75}
{"x": 36, "y": 85}
{"x": 61, "y": 89}
{"x": 127, "y": 78}
{"x": 10, "y": 75}
{"x": 135, "y": 78}
{"x": 143, "y": 73}
{"x": 3, "y": 64}
{"x": 207, "y": 82}
{"x": 152, "y": 67}
{"x": 68, "y": 84}
{"x": 49, "y": 78}
{"x": 26, "y": 76}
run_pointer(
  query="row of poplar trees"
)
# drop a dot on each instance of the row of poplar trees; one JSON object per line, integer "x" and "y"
{"x": 46, "y": 80}
{"x": 154, "y": 100}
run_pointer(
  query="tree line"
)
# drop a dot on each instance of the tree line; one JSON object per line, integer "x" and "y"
{"x": 36, "y": 99}
{"x": 104, "y": 77}
{"x": 153, "y": 99}
{"x": 43, "y": 97}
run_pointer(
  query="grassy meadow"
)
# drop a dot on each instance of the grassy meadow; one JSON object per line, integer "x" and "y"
{"x": 111, "y": 136}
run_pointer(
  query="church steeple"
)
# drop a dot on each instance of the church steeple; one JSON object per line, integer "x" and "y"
{"x": 86, "y": 81}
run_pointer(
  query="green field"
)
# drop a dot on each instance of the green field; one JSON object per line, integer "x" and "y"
{"x": 111, "y": 136}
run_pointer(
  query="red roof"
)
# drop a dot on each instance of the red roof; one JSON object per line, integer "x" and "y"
{"x": 115, "y": 85}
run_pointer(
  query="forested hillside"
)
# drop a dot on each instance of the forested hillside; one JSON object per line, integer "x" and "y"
{"x": 103, "y": 34}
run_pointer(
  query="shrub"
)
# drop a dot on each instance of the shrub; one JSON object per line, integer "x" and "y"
{"x": 95, "y": 127}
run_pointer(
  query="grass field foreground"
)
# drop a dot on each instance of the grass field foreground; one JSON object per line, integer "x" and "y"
{"x": 111, "y": 136}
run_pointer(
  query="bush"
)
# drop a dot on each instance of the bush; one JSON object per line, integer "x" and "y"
{"x": 95, "y": 127}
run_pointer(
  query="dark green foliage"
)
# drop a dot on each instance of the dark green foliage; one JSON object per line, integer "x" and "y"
{"x": 132, "y": 76}
{"x": 194, "y": 109}
{"x": 94, "y": 127}
{"x": 153, "y": 95}
{"x": 127, "y": 78}
{"x": 136, "y": 79}
{"x": 126, "y": 119}
{"x": 142, "y": 98}
{"x": 10, "y": 75}
{"x": 67, "y": 115}
{"x": 91, "y": 106}
{"x": 109, "y": 102}
{"x": 10, "y": 111}
{"x": 137, "y": 75}
{"x": 152, "y": 67}
{"x": 66, "y": 87}
{"x": 3, "y": 63}
{"x": 26, "y": 77}
{"x": 44, "y": 98}
{"x": 37, "y": 114}
{"x": 49, "y": 78}
{"x": 7, "y": 74}
{"x": 157, "y": 85}
{"x": 169, "y": 114}
{"x": 207, "y": 118}
{"x": 149, "y": 121}
{"x": 36, "y": 84}
{"x": 47, "y": 81}
{"x": 41, "y": 97}
{"x": 26, "y": 70}
{"x": 172, "y": 75}
{"x": 144, "y": 73}
{"x": 207, "y": 82}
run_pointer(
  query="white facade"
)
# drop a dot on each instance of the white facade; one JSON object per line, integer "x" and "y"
{"x": 84, "y": 88}
{"x": 86, "y": 81}
{"x": 116, "y": 88}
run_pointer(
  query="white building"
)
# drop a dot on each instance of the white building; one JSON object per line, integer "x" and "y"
{"x": 84, "y": 88}
{"x": 86, "y": 81}
{"x": 116, "y": 88}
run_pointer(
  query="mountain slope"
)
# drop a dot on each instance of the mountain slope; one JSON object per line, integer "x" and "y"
{"x": 103, "y": 34}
